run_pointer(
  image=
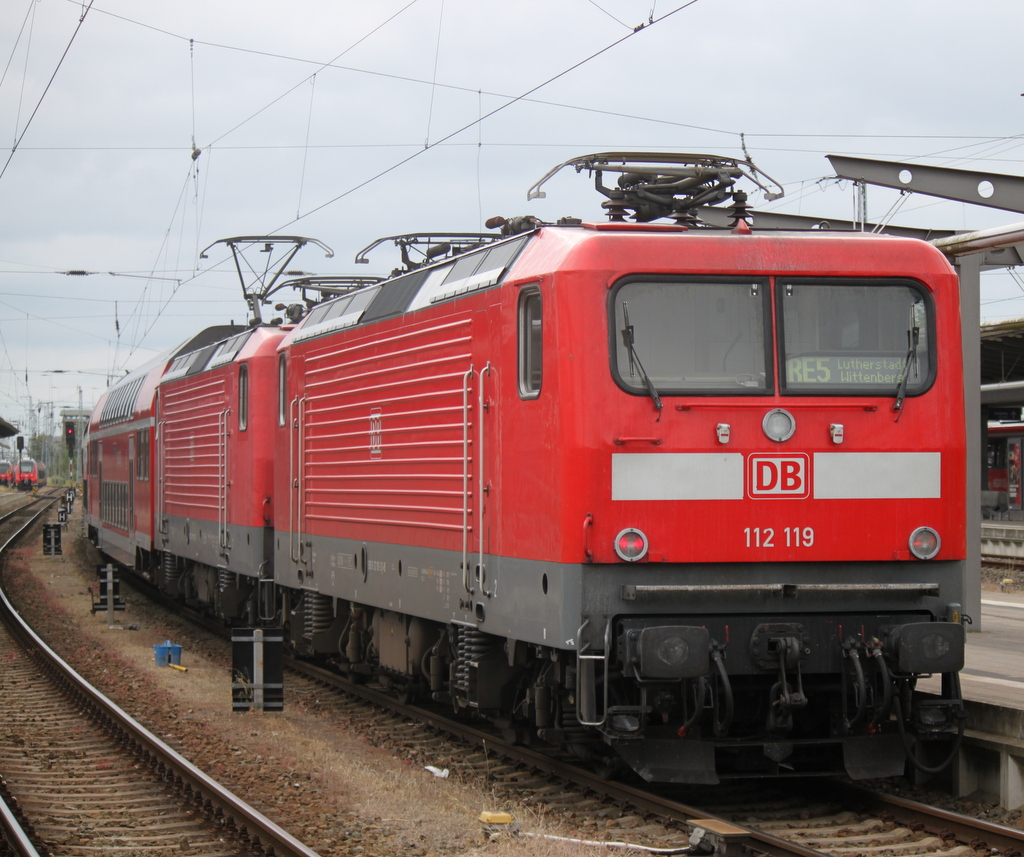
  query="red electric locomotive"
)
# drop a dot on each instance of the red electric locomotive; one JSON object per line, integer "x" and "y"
{"x": 214, "y": 460}
{"x": 684, "y": 498}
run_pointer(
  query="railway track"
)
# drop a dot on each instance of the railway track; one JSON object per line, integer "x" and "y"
{"x": 87, "y": 779}
{"x": 776, "y": 819}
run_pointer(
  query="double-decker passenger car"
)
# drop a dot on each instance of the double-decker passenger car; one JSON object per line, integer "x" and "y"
{"x": 688, "y": 497}
{"x": 119, "y": 500}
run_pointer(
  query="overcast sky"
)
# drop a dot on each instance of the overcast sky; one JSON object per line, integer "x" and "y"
{"x": 136, "y": 136}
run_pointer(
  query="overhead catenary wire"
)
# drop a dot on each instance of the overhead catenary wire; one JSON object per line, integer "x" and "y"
{"x": 24, "y": 72}
{"x": 493, "y": 112}
{"x": 462, "y": 129}
{"x": 321, "y": 67}
{"x": 208, "y": 147}
{"x": 433, "y": 82}
{"x": 46, "y": 89}
{"x": 17, "y": 41}
{"x": 305, "y": 148}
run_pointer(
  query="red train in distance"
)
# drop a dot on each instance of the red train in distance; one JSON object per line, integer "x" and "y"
{"x": 6, "y": 473}
{"x": 690, "y": 500}
{"x": 29, "y": 474}
{"x": 1004, "y": 463}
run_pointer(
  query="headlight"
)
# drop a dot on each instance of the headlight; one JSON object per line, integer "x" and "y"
{"x": 924, "y": 543}
{"x": 778, "y": 425}
{"x": 631, "y": 545}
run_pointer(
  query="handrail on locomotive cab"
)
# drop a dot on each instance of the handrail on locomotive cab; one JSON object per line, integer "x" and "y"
{"x": 294, "y": 452}
{"x": 161, "y": 518}
{"x": 481, "y": 572}
{"x": 222, "y": 477}
{"x": 466, "y": 578}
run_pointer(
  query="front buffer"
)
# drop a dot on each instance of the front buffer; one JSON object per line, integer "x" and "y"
{"x": 700, "y": 696}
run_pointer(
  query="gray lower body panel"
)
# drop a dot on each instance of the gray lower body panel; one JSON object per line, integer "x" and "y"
{"x": 535, "y": 602}
{"x": 241, "y": 551}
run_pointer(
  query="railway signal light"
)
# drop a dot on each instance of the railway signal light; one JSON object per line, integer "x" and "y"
{"x": 69, "y": 434}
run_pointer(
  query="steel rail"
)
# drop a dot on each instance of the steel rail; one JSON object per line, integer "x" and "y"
{"x": 257, "y": 826}
{"x": 18, "y": 833}
{"x": 1008, "y": 841}
{"x": 644, "y": 801}
{"x": 980, "y": 834}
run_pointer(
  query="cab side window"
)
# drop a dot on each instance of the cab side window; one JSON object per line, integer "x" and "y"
{"x": 530, "y": 343}
{"x": 243, "y": 397}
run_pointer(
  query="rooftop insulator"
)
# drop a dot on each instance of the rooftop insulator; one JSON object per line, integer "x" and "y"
{"x": 739, "y": 211}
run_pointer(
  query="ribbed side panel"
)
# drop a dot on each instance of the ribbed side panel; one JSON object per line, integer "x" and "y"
{"x": 383, "y": 427}
{"x": 190, "y": 413}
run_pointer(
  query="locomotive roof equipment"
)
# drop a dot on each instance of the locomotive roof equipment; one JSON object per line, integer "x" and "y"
{"x": 325, "y": 288}
{"x": 652, "y": 185}
{"x": 262, "y": 282}
{"x": 430, "y": 246}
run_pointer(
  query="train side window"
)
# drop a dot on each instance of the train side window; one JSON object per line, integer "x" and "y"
{"x": 243, "y": 397}
{"x": 142, "y": 455}
{"x": 282, "y": 403}
{"x": 530, "y": 343}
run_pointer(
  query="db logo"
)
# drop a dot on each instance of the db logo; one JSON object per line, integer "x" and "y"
{"x": 778, "y": 476}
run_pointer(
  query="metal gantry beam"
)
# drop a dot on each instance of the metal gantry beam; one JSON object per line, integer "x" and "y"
{"x": 993, "y": 190}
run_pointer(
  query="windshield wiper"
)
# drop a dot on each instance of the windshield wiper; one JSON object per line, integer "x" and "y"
{"x": 913, "y": 337}
{"x": 634, "y": 360}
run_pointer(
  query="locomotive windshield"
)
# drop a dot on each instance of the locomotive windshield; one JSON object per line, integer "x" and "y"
{"x": 691, "y": 336}
{"x": 854, "y": 337}
{"x": 835, "y": 336}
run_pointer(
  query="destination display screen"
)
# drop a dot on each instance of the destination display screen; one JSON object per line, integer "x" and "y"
{"x": 836, "y": 369}
{"x": 856, "y": 337}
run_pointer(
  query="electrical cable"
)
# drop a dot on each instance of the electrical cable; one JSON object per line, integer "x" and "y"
{"x": 444, "y": 139}
{"x": 305, "y": 149}
{"x": 433, "y": 82}
{"x": 610, "y": 15}
{"x": 17, "y": 41}
{"x": 493, "y": 112}
{"x": 46, "y": 89}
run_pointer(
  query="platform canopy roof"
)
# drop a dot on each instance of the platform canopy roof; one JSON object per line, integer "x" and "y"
{"x": 6, "y": 429}
{"x": 1002, "y": 352}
